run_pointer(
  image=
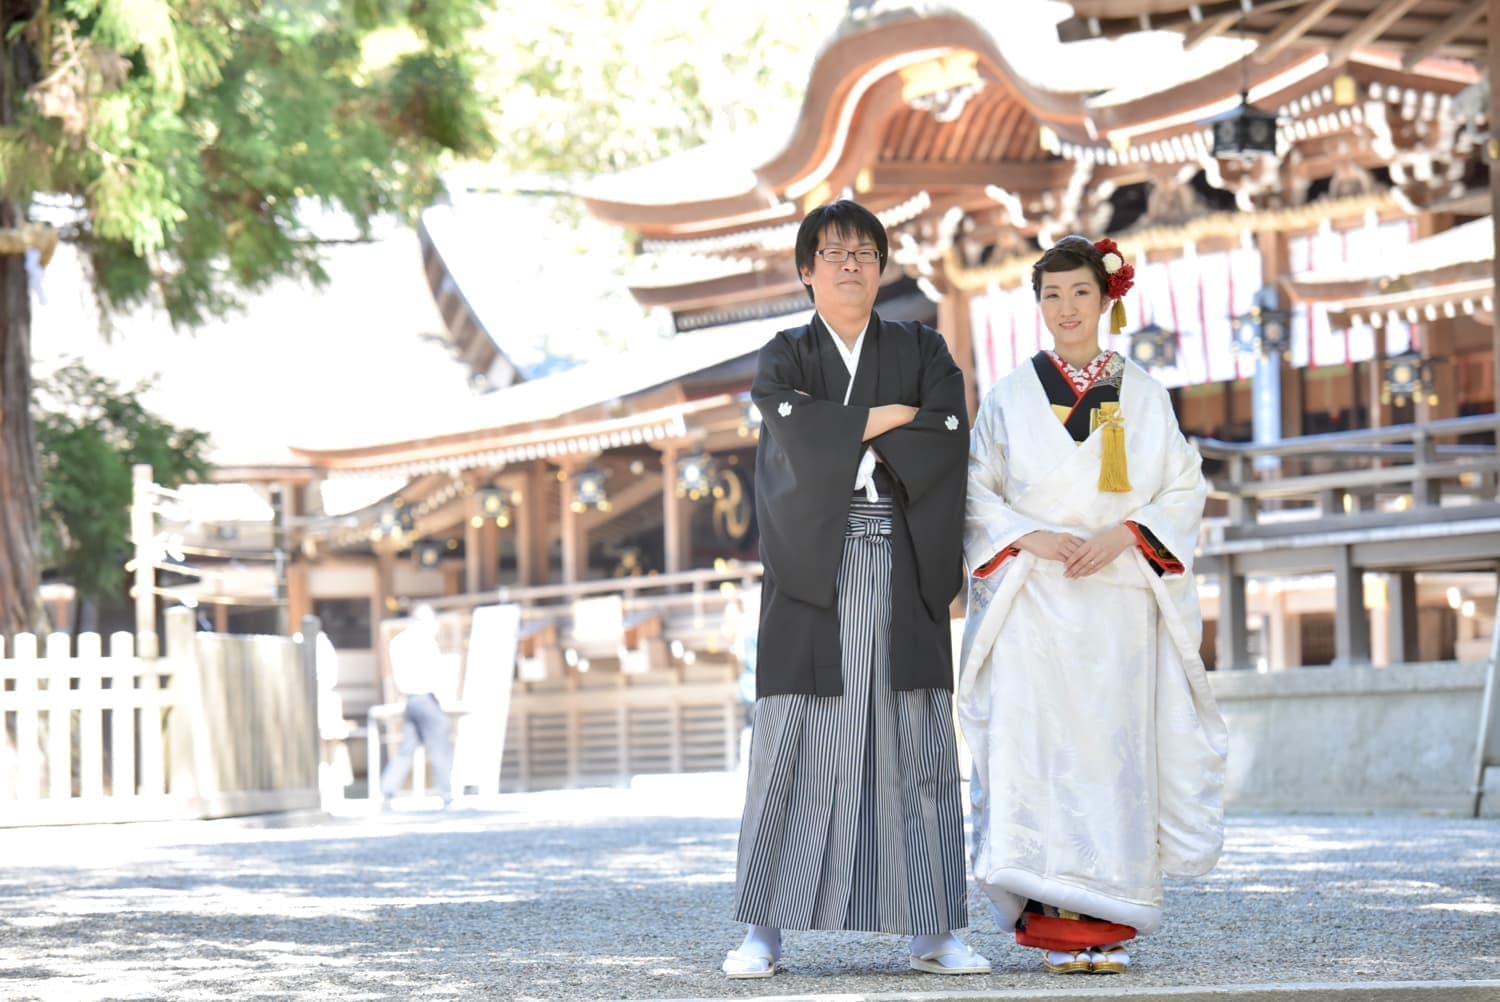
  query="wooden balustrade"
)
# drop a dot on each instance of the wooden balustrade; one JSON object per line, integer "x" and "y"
{"x": 1352, "y": 474}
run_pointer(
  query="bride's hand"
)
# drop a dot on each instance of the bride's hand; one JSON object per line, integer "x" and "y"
{"x": 1059, "y": 546}
{"x": 1098, "y": 552}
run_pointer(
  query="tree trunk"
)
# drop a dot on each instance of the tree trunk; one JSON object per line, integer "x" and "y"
{"x": 19, "y": 484}
{"x": 19, "y": 479}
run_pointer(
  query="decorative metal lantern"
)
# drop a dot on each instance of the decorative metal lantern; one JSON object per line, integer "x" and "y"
{"x": 695, "y": 476}
{"x": 1245, "y": 133}
{"x": 428, "y": 553}
{"x": 394, "y": 518}
{"x": 1154, "y": 347}
{"x": 1265, "y": 330}
{"x": 588, "y": 490}
{"x": 1407, "y": 376}
{"x": 497, "y": 504}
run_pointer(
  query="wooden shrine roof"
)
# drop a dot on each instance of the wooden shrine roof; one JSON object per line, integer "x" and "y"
{"x": 857, "y": 129}
{"x": 630, "y": 398}
{"x": 1415, "y": 29}
{"x": 1446, "y": 273}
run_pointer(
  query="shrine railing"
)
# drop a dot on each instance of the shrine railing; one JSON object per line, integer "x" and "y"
{"x": 1367, "y": 476}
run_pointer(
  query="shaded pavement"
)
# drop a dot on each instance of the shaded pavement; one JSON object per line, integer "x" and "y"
{"x": 628, "y": 894}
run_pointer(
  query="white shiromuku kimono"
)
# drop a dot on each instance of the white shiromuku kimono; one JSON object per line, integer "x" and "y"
{"x": 1098, "y": 747}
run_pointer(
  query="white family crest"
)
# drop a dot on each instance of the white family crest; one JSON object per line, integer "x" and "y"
{"x": 951, "y": 424}
{"x": 785, "y": 409}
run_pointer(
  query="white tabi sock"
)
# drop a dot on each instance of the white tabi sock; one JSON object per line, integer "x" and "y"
{"x": 766, "y": 936}
{"x": 923, "y": 946}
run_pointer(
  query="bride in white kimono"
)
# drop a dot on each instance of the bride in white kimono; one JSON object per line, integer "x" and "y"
{"x": 1098, "y": 747}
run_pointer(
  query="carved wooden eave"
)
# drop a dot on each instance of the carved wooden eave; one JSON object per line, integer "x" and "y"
{"x": 502, "y": 446}
{"x": 855, "y": 112}
{"x": 1169, "y": 127}
{"x": 1418, "y": 29}
{"x": 473, "y": 342}
{"x": 441, "y": 472}
{"x": 1473, "y": 297}
{"x": 1444, "y": 275}
{"x": 1220, "y": 226}
{"x": 729, "y": 290}
{"x": 657, "y": 392}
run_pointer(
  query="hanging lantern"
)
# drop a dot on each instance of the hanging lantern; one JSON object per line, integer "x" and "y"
{"x": 695, "y": 476}
{"x": 1154, "y": 347}
{"x": 1245, "y": 133}
{"x": 393, "y": 518}
{"x": 588, "y": 490}
{"x": 1265, "y": 330}
{"x": 498, "y": 504}
{"x": 428, "y": 553}
{"x": 1408, "y": 376}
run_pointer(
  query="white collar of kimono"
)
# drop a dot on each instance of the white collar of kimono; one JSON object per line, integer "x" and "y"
{"x": 848, "y": 354}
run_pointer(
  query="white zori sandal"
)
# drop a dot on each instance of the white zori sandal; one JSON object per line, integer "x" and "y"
{"x": 1108, "y": 959}
{"x": 749, "y": 960}
{"x": 1067, "y": 961}
{"x": 951, "y": 958}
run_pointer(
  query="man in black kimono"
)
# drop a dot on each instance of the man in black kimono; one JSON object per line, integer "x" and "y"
{"x": 853, "y": 818}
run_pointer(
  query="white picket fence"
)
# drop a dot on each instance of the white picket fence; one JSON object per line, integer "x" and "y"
{"x": 218, "y": 725}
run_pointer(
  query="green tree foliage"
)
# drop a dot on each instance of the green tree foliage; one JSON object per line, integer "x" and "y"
{"x": 596, "y": 86}
{"x": 192, "y": 139}
{"x": 190, "y": 148}
{"x": 90, "y": 432}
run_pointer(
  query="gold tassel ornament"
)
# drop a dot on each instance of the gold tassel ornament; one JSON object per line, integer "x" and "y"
{"x": 1117, "y": 317}
{"x": 1114, "y": 472}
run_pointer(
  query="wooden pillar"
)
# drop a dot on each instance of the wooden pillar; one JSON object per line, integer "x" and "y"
{"x": 385, "y": 586}
{"x": 1292, "y": 401}
{"x": 1401, "y": 599}
{"x": 677, "y": 520}
{"x": 1351, "y": 622}
{"x": 1436, "y": 342}
{"x": 473, "y": 550}
{"x": 575, "y": 544}
{"x": 489, "y": 555}
{"x": 298, "y": 598}
{"x": 1232, "y": 648}
{"x": 142, "y": 530}
{"x": 531, "y": 523}
{"x": 481, "y": 546}
{"x": 956, "y": 326}
{"x": 1374, "y": 377}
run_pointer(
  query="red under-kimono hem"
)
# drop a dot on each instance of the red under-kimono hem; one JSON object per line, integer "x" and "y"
{"x": 1065, "y": 934}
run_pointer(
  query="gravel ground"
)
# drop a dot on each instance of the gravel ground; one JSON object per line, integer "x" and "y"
{"x": 628, "y": 893}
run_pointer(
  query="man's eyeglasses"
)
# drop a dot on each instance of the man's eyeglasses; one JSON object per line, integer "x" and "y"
{"x": 838, "y": 255}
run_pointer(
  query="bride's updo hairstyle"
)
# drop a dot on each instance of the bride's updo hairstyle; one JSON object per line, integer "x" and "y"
{"x": 1069, "y": 253}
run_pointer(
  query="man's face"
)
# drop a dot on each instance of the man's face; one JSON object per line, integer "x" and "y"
{"x": 849, "y": 285}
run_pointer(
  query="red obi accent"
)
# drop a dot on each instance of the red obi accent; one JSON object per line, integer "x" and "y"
{"x": 1167, "y": 565}
{"x": 1067, "y": 935}
{"x": 996, "y": 561}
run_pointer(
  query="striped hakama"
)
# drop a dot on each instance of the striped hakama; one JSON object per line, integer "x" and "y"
{"x": 853, "y": 817}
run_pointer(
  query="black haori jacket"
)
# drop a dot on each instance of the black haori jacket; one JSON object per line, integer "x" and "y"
{"x": 805, "y": 465}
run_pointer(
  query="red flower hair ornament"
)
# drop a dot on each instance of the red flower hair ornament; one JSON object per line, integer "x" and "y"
{"x": 1121, "y": 279}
